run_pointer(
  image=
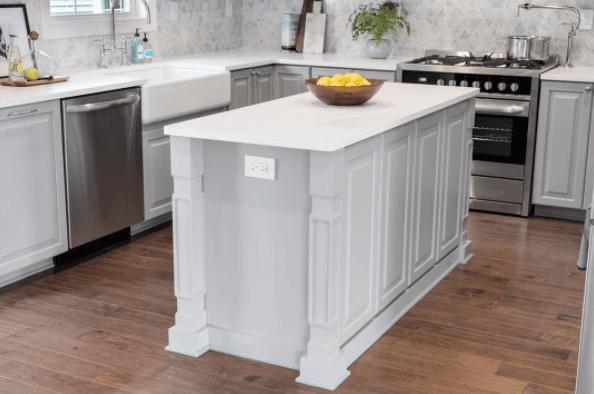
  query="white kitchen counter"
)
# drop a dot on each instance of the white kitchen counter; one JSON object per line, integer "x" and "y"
{"x": 304, "y": 122}
{"x": 245, "y": 58}
{"x": 570, "y": 74}
{"x": 78, "y": 85}
{"x": 83, "y": 82}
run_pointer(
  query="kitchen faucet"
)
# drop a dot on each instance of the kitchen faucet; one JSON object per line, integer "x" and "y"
{"x": 573, "y": 29}
{"x": 115, "y": 4}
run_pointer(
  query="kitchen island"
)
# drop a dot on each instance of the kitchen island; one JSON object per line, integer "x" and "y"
{"x": 365, "y": 213}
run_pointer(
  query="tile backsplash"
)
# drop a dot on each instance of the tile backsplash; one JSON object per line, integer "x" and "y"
{"x": 202, "y": 26}
{"x": 478, "y": 25}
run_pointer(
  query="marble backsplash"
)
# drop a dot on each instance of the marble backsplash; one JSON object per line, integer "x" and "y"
{"x": 202, "y": 26}
{"x": 478, "y": 25}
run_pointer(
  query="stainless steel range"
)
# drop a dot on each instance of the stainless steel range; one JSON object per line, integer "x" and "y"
{"x": 505, "y": 126}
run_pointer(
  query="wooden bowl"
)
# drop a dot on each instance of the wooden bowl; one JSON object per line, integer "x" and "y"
{"x": 343, "y": 95}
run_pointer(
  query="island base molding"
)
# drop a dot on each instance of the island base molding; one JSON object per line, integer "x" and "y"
{"x": 307, "y": 271}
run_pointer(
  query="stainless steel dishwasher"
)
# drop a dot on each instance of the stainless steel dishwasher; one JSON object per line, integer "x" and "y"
{"x": 103, "y": 154}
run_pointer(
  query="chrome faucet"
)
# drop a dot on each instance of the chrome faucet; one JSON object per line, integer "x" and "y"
{"x": 113, "y": 48}
{"x": 573, "y": 27}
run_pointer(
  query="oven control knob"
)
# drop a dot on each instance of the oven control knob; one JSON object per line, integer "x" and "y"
{"x": 476, "y": 84}
{"x": 464, "y": 83}
{"x": 514, "y": 87}
{"x": 440, "y": 82}
{"x": 502, "y": 86}
{"x": 488, "y": 85}
{"x": 452, "y": 82}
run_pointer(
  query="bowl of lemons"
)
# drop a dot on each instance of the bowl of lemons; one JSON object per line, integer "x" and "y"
{"x": 344, "y": 89}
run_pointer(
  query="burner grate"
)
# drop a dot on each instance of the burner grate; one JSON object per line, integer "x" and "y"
{"x": 483, "y": 61}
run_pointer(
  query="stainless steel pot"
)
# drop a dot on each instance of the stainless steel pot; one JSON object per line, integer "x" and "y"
{"x": 539, "y": 48}
{"x": 527, "y": 48}
{"x": 518, "y": 48}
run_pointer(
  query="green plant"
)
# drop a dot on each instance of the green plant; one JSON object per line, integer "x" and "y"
{"x": 378, "y": 20}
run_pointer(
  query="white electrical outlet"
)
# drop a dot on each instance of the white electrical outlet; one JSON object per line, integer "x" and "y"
{"x": 173, "y": 10}
{"x": 260, "y": 167}
{"x": 587, "y": 19}
{"x": 229, "y": 9}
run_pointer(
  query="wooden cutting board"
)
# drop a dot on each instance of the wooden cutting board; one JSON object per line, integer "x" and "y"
{"x": 307, "y": 7}
{"x": 8, "y": 82}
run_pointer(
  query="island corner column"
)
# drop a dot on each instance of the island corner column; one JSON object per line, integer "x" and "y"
{"x": 322, "y": 365}
{"x": 189, "y": 336}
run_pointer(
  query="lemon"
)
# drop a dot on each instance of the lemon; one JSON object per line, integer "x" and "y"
{"x": 325, "y": 81}
{"x": 335, "y": 84}
{"x": 20, "y": 67}
{"x": 365, "y": 82}
{"x": 349, "y": 84}
{"x": 32, "y": 74}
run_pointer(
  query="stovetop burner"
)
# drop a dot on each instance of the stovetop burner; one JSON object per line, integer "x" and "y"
{"x": 480, "y": 61}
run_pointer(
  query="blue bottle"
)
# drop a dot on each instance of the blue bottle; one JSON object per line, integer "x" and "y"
{"x": 137, "y": 49}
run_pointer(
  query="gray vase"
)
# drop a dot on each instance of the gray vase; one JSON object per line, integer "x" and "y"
{"x": 381, "y": 51}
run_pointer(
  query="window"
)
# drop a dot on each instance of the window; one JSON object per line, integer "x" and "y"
{"x": 87, "y": 18}
{"x": 86, "y": 7}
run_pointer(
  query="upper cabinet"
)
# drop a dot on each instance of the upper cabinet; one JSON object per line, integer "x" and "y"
{"x": 33, "y": 223}
{"x": 290, "y": 80}
{"x": 562, "y": 145}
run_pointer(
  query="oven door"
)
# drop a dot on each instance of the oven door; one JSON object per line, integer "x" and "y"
{"x": 501, "y": 131}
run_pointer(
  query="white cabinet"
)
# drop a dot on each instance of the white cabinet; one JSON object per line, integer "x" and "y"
{"x": 562, "y": 144}
{"x": 396, "y": 218}
{"x": 158, "y": 182}
{"x": 290, "y": 80}
{"x": 33, "y": 215}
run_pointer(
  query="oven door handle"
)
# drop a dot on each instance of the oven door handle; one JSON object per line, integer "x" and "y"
{"x": 502, "y": 107}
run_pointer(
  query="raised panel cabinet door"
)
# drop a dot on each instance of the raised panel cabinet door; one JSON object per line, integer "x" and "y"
{"x": 158, "y": 182}
{"x": 358, "y": 267}
{"x": 318, "y": 72}
{"x": 454, "y": 144}
{"x": 395, "y": 214}
{"x": 242, "y": 89}
{"x": 290, "y": 80}
{"x": 562, "y": 144}
{"x": 263, "y": 84}
{"x": 386, "y": 76}
{"x": 33, "y": 197}
{"x": 425, "y": 197}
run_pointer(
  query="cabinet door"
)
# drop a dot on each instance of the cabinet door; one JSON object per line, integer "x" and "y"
{"x": 318, "y": 72}
{"x": 387, "y": 76}
{"x": 562, "y": 144}
{"x": 425, "y": 197}
{"x": 242, "y": 89}
{"x": 454, "y": 144}
{"x": 395, "y": 217}
{"x": 360, "y": 214}
{"x": 263, "y": 84}
{"x": 158, "y": 182}
{"x": 290, "y": 80}
{"x": 33, "y": 197}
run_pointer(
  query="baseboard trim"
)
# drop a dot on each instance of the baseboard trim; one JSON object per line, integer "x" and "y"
{"x": 149, "y": 224}
{"x": 21, "y": 274}
{"x": 575, "y": 215}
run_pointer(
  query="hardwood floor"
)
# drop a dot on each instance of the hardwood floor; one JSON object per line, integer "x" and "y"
{"x": 508, "y": 322}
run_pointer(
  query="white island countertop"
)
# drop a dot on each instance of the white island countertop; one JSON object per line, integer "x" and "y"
{"x": 304, "y": 122}
{"x": 570, "y": 74}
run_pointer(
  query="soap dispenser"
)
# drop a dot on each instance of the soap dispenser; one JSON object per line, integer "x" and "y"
{"x": 137, "y": 49}
{"x": 148, "y": 50}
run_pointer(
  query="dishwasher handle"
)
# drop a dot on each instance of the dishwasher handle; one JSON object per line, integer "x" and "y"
{"x": 77, "y": 109}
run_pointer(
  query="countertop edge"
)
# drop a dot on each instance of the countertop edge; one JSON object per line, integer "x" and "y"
{"x": 185, "y": 132}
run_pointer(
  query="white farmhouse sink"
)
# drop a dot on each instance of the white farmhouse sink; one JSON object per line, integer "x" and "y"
{"x": 172, "y": 92}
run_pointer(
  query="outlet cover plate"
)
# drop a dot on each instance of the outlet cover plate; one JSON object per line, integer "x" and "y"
{"x": 173, "y": 11}
{"x": 260, "y": 167}
{"x": 229, "y": 7}
{"x": 587, "y": 18}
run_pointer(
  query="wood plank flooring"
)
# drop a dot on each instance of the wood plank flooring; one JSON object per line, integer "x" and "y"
{"x": 508, "y": 322}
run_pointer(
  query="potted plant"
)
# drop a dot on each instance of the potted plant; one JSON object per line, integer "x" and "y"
{"x": 377, "y": 21}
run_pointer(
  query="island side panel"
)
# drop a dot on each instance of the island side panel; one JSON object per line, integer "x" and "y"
{"x": 465, "y": 245}
{"x": 256, "y": 252}
{"x": 189, "y": 336}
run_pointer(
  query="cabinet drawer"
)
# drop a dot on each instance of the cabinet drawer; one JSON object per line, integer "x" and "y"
{"x": 496, "y": 189}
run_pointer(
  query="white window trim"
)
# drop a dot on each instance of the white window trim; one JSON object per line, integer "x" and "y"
{"x": 95, "y": 25}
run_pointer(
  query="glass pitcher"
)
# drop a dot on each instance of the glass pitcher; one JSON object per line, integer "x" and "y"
{"x": 15, "y": 61}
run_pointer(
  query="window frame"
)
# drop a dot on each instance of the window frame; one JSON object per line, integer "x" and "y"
{"x": 70, "y": 26}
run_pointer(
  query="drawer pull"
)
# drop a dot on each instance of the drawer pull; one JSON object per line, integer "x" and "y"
{"x": 25, "y": 112}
